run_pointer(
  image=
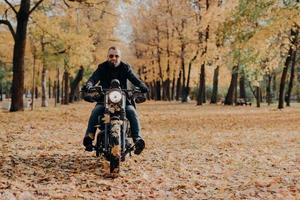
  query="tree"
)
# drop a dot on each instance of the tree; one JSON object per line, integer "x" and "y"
{"x": 19, "y": 35}
{"x": 294, "y": 42}
{"x": 258, "y": 30}
{"x": 168, "y": 49}
{"x": 20, "y": 17}
{"x": 290, "y": 58}
{"x": 214, "y": 96}
{"x": 74, "y": 94}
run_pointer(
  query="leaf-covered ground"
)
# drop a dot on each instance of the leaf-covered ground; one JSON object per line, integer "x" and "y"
{"x": 208, "y": 152}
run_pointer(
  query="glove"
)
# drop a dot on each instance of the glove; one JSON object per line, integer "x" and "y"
{"x": 144, "y": 89}
{"x": 85, "y": 93}
{"x": 88, "y": 86}
{"x": 89, "y": 98}
{"x": 141, "y": 98}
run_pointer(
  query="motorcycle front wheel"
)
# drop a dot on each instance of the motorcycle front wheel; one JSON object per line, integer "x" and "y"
{"x": 115, "y": 155}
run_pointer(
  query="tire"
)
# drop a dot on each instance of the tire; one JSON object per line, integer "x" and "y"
{"x": 114, "y": 164}
{"x": 115, "y": 154}
{"x": 99, "y": 143}
{"x": 98, "y": 146}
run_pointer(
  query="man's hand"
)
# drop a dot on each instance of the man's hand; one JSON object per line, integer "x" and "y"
{"x": 89, "y": 86}
{"x": 144, "y": 89}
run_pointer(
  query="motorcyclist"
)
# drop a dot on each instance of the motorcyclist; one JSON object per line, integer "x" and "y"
{"x": 111, "y": 69}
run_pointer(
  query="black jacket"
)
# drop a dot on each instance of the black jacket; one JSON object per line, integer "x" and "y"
{"x": 107, "y": 72}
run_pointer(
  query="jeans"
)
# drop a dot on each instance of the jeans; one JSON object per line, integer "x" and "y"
{"x": 131, "y": 115}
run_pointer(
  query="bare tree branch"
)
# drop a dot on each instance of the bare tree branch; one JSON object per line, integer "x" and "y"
{"x": 5, "y": 14}
{"x": 11, "y": 29}
{"x": 89, "y": 4}
{"x": 35, "y": 6}
{"x": 11, "y": 6}
{"x": 66, "y": 4}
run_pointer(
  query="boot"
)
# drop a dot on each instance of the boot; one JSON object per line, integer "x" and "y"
{"x": 88, "y": 141}
{"x": 139, "y": 145}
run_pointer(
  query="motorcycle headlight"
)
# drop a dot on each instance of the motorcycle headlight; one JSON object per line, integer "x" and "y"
{"x": 115, "y": 96}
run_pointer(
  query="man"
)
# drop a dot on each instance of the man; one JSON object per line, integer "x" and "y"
{"x": 111, "y": 69}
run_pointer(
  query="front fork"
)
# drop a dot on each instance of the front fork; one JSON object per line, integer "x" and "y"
{"x": 106, "y": 128}
{"x": 114, "y": 123}
{"x": 109, "y": 122}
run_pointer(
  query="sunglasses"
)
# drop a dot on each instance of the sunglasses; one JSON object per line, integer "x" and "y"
{"x": 111, "y": 56}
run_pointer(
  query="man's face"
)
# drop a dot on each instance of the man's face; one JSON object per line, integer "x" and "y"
{"x": 114, "y": 56}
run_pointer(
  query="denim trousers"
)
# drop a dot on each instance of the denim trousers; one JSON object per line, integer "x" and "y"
{"x": 131, "y": 115}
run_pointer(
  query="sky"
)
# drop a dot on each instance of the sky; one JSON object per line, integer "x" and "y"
{"x": 124, "y": 28}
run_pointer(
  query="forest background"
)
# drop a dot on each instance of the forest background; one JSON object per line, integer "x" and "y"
{"x": 210, "y": 51}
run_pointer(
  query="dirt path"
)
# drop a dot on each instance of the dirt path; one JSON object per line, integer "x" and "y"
{"x": 209, "y": 152}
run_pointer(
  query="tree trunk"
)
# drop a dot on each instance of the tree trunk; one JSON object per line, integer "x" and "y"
{"x": 292, "y": 77}
{"x": 54, "y": 92}
{"x": 152, "y": 90}
{"x": 77, "y": 93}
{"x": 201, "y": 91}
{"x": 298, "y": 88}
{"x": 282, "y": 85}
{"x": 207, "y": 4}
{"x": 168, "y": 71}
{"x": 274, "y": 87}
{"x": 49, "y": 88}
{"x": 168, "y": 83}
{"x": 235, "y": 92}
{"x": 62, "y": 89}
{"x": 57, "y": 87}
{"x": 166, "y": 90}
{"x": 178, "y": 87}
{"x": 148, "y": 93}
{"x": 214, "y": 96}
{"x": 17, "y": 103}
{"x": 285, "y": 70}
{"x": 33, "y": 82}
{"x": 75, "y": 84}
{"x": 161, "y": 81}
{"x": 261, "y": 95}
{"x": 258, "y": 96}
{"x": 44, "y": 76}
{"x": 164, "y": 96}
{"x": 1, "y": 91}
{"x": 204, "y": 85}
{"x": 269, "y": 94}
{"x": 36, "y": 92}
{"x": 158, "y": 84}
{"x": 230, "y": 93}
{"x": 242, "y": 87}
{"x": 158, "y": 90}
{"x": 182, "y": 60}
{"x": 185, "y": 94}
{"x": 66, "y": 87}
{"x": 173, "y": 87}
{"x": 44, "y": 87}
{"x": 186, "y": 91}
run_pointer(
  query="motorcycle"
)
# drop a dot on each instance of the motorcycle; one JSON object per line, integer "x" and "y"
{"x": 114, "y": 140}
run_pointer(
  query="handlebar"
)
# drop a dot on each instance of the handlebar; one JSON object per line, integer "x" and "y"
{"x": 100, "y": 90}
{"x": 130, "y": 93}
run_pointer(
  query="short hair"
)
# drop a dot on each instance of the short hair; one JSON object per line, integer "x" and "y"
{"x": 113, "y": 48}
